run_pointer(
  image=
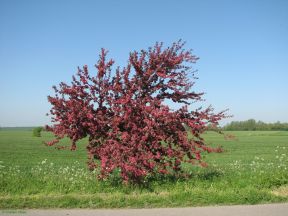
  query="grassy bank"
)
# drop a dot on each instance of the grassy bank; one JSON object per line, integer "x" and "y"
{"x": 253, "y": 169}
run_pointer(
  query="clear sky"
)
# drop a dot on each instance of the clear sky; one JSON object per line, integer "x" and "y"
{"x": 242, "y": 45}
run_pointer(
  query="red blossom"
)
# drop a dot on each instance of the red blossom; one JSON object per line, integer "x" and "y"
{"x": 128, "y": 126}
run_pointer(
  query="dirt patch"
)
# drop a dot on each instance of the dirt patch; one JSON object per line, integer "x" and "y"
{"x": 281, "y": 191}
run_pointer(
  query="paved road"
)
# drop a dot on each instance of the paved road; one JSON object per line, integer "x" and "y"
{"x": 254, "y": 210}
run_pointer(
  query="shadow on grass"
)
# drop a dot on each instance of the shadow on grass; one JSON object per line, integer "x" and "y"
{"x": 210, "y": 174}
{"x": 151, "y": 182}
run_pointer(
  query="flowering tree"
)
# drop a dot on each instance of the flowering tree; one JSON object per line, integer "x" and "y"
{"x": 129, "y": 127}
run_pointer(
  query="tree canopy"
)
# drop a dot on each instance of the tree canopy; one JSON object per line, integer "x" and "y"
{"x": 130, "y": 129}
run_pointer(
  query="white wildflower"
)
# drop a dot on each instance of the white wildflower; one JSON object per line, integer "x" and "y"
{"x": 44, "y": 161}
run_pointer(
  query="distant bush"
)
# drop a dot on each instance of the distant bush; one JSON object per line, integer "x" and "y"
{"x": 37, "y": 131}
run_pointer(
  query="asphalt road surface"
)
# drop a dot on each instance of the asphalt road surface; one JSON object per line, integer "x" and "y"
{"x": 240, "y": 210}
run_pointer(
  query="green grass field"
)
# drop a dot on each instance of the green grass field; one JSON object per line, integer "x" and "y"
{"x": 253, "y": 169}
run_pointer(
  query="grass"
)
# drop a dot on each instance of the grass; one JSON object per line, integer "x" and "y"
{"x": 253, "y": 169}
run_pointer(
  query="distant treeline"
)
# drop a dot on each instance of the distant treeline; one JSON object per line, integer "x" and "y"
{"x": 253, "y": 125}
{"x": 248, "y": 125}
{"x": 16, "y": 128}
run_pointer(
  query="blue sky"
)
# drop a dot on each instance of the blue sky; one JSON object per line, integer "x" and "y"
{"x": 242, "y": 45}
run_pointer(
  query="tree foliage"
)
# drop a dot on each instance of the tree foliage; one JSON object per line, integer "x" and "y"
{"x": 129, "y": 127}
{"x": 252, "y": 125}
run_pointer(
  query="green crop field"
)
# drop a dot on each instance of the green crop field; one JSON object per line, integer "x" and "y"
{"x": 253, "y": 169}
